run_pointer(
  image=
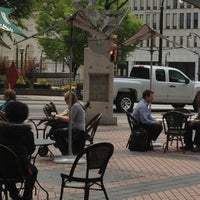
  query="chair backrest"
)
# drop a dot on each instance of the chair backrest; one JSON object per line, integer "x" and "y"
{"x": 49, "y": 108}
{"x": 174, "y": 120}
{"x": 97, "y": 157}
{"x": 131, "y": 121}
{"x": 10, "y": 167}
{"x": 91, "y": 127}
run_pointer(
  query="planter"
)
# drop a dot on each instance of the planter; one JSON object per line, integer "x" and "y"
{"x": 21, "y": 85}
{"x": 41, "y": 86}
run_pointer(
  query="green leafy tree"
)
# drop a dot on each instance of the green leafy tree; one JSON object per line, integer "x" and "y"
{"x": 56, "y": 43}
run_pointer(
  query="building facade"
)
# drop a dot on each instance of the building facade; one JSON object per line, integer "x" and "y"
{"x": 180, "y": 22}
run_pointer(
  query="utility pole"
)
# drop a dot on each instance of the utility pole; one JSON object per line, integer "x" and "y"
{"x": 161, "y": 32}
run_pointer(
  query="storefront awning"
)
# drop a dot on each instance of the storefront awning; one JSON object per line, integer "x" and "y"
{"x": 144, "y": 33}
{"x": 6, "y": 24}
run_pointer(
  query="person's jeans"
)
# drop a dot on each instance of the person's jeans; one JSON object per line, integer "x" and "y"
{"x": 153, "y": 129}
{"x": 188, "y": 136}
{"x": 61, "y": 136}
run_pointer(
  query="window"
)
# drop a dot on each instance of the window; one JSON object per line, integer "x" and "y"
{"x": 175, "y": 76}
{"x": 175, "y": 3}
{"x": 155, "y": 4}
{"x": 195, "y": 20}
{"x": 188, "y": 20}
{"x": 174, "y": 20}
{"x": 174, "y": 41}
{"x": 181, "y": 40}
{"x": 160, "y": 75}
{"x": 167, "y": 21}
{"x": 154, "y": 21}
{"x": 195, "y": 41}
{"x": 168, "y": 4}
{"x": 148, "y": 19}
{"x": 148, "y": 4}
{"x": 141, "y": 4}
{"x": 140, "y": 72}
{"x": 181, "y": 21}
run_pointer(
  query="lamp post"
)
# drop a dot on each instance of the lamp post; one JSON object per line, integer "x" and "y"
{"x": 161, "y": 32}
{"x": 21, "y": 52}
{"x": 25, "y": 59}
{"x": 198, "y": 53}
{"x": 167, "y": 54}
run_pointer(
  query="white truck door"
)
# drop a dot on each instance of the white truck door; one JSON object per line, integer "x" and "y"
{"x": 180, "y": 87}
{"x": 159, "y": 86}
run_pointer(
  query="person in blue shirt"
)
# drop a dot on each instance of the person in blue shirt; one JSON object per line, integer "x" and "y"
{"x": 142, "y": 114}
{"x": 9, "y": 96}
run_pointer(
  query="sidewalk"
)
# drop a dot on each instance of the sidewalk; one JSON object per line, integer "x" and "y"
{"x": 151, "y": 175}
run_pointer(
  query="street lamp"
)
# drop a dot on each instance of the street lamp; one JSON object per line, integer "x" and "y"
{"x": 167, "y": 54}
{"x": 25, "y": 59}
{"x": 21, "y": 52}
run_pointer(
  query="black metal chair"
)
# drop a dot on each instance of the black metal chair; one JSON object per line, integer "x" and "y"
{"x": 97, "y": 157}
{"x": 134, "y": 125}
{"x": 91, "y": 128}
{"x": 174, "y": 124}
{"x": 9, "y": 158}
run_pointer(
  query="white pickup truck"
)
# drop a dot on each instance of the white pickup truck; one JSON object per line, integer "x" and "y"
{"x": 170, "y": 86}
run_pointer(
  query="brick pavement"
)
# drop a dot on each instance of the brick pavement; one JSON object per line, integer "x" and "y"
{"x": 151, "y": 175}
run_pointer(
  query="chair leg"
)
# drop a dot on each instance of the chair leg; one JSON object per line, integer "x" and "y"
{"x": 86, "y": 193}
{"x": 104, "y": 190}
{"x": 62, "y": 188}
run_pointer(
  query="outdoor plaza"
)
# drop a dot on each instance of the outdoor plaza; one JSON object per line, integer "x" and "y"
{"x": 151, "y": 175}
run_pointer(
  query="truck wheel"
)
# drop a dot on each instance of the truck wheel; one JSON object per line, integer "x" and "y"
{"x": 124, "y": 102}
{"x": 178, "y": 105}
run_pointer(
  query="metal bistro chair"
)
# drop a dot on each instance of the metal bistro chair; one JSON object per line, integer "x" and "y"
{"x": 133, "y": 124}
{"x": 9, "y": 158}
{"x": 174, "y": 124}
{"x": 91, "y": 128}
{"x": 97, "y": 157}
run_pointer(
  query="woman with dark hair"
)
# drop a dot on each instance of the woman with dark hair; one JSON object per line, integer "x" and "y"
{"x": 78, "y": 126}
{"x": 18, "y": 136}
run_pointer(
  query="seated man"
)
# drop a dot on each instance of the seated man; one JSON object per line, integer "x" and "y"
{"x": 18, "y": 136}
{"x": 193, "y": 125}
{"x": 142, "y": 114}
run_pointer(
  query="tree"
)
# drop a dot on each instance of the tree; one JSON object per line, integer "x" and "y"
{"x": 56, "y": 43}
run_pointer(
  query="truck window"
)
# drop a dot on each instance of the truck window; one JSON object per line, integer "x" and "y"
{"x": 139, "y": 72}
{"x": 160, "y": 75}
{"x": 175, "y": 76}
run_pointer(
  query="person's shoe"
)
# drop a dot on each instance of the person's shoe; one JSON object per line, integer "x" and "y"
{"x": 186, "y": 148}
{"x": 196, "y": 149}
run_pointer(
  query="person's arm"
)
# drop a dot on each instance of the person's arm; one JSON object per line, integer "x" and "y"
{"x": 63, "y": 118}
{"x": 30, "y": 143}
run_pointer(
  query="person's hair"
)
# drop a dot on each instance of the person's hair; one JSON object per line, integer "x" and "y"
{"x": 9, "y": 94}
{"x": 16, "y": 112}
{"x": 147, "y": 93}
{"x": 73, "y": 96}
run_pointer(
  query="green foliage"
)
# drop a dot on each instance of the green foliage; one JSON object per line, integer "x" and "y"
{"x": 57, "y": 42}
{"x": 42, "y": 81}
{"x": 4, "y": 65}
